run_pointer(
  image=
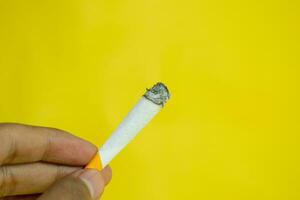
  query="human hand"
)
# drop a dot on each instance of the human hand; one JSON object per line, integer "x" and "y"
{"x": 45, "y": 163}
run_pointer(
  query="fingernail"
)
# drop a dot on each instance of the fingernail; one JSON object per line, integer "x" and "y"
{"x": 93, "y": 180}
{"x": 107, "y": 174}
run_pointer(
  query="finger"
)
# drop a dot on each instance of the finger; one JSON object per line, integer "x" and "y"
{"x": 23, "y": 143}
{"x": 85, "y": 184}
{"x": 107, "y": 174}
{"x": 30, "y": 178}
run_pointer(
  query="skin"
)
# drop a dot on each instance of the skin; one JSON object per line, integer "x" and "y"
{"x": 46, "y": 163}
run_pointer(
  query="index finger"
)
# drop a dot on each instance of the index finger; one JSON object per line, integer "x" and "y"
{"x": 23, "y": 143}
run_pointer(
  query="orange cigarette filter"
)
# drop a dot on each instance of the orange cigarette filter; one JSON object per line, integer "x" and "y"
{"x": 95, "y": 163}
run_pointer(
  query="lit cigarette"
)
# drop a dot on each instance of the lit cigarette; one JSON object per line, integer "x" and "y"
{"x": 145, "y": 109}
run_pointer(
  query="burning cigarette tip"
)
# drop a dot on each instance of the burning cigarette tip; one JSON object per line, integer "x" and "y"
{"x": 158, "y": 94}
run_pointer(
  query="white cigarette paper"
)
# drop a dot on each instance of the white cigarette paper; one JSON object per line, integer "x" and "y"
{"x": 145, "y": 109}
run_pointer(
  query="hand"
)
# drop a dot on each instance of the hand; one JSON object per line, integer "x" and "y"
{"x": 46, "y": 163}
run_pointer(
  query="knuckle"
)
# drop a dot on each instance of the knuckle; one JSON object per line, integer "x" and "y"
{"x": 7, "y": 181}
{"x": 4, "y": 124}
{"x": 6, "y": 127}
{"x": 8, "y": 143}
{"x": 60, "y": 172}
{"x": 47, "y": 147}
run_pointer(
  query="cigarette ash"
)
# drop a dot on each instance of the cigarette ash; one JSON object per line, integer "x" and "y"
{"x": 158, "y": 94}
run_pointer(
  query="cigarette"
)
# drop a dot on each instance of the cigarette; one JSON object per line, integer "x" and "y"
{"x": 144, "y": 110}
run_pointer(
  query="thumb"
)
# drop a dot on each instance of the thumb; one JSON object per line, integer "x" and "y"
{"x": 85, "y": 184}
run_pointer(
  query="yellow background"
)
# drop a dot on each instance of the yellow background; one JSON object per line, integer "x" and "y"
{"x": 231, "y": 129}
